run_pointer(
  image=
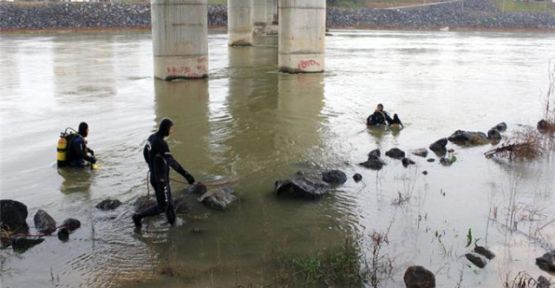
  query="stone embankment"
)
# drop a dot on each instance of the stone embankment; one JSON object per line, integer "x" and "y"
{"x": 463, "y": 14}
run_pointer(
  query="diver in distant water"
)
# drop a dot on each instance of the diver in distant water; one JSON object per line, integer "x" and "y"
{"x": 379, "y": 117}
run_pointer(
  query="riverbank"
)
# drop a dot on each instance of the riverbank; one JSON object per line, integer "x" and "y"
{"x": 460, "y": 15}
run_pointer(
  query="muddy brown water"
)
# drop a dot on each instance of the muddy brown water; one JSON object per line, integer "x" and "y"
{"x": 250, "y": 125}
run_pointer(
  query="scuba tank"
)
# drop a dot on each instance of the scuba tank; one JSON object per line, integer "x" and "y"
{"x": 63, "y": 142}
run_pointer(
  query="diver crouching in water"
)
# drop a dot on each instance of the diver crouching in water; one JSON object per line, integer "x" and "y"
{"x": 73, "y": 150}
{"x": 382, "y": 118}
{"x": 159, "y": 159}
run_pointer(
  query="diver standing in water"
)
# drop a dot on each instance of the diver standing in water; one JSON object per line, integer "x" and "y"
{"x": 78, "y": 154}
{"x": 159, "y": 159}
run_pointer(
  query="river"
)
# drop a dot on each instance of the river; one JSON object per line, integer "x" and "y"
{"x": 248, "y": 125}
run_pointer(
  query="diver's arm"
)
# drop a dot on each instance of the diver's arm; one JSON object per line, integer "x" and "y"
{"x": 175, "y": 165}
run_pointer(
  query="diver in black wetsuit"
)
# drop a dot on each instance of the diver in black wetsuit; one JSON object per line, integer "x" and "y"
{"x": 159, "y": 159}
{"x": 78, "y": 153}
{"x": 380, "y": 117}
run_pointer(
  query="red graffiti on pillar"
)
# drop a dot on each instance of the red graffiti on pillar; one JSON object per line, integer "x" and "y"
{"x": 303, "y": 64}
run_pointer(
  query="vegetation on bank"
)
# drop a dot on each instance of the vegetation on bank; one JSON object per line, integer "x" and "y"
{"x": 521, "y": 6}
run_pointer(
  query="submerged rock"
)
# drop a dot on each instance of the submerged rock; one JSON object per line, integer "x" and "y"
{"x": 494, "y": 135}
{"x": 63, "y": 234}
{"x": 375, "y": 153}
{"x": 406, "y": 162}
{"x": 218, "y": 199}
{"x": 302, "y": 187}
{"x": 547, "y": 262}
{"x": 422, "y": 152}
{"x": 334, "y": 177}
{"x": 144, "y": 202}
{"x": 108, "y": 204}
{"x": 44, "y": 223}
{"x": 501, "y": 127}
{"x": 431, "y": 160}
{"x": 476, "y": 260}
{"x": 21, "y": 244}
{"x": 395, "y": 153}
{"x": 467, "y": 138}
{"x": 180, "y": 205}
{"x": 197, "y": 188}
{"x": 484, "y": 252}
{"x": 543, "y": 282}
{"x": 374, "y": 163}
{"x": 71, "y": 224}
{"x": 419, "y": 277}
{"x": 13, "y": 214}
{"x": 439, "y": 147}
{"x": 357, "y": 177}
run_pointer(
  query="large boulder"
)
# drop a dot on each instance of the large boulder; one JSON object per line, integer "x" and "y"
{"x": 439, "y": 147}
{"x": 334, "y": 177}
{"x": 218, "y": 199}
{"x": 419, "y": 277}
{"x": 13, "y": 215}
{"x": 44, "y": 223}
{"x": 395, "y": 153}
{"x": 301, "y": 187}
{"x": 468, "y": 138}
{"x": 108, "y": 204}
{"x": 547, "y": 262}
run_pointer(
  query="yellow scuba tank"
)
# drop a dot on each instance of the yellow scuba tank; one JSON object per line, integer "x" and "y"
{"x": 63, "y": 141}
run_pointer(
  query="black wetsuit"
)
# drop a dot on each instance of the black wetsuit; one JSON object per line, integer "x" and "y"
{"x": 378, "y": 118}
{"x": 158, "y": 157}
{"x": 78, "y": 152}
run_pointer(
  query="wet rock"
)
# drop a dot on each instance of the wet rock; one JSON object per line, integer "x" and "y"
{"x": 419, "y": 277}
{"x": 13, "y": 215}
{"x": 445, "y": 162}
{"x": 439, "y": 147}
{"x": 374, "y": 163}
{"x": 197, "y": 188}
{"x": 108, "y": 204}
{"x": 21, "y": 244}
{"x": 218, "y": 199}
{"x": 395, "y": 153}
{"x": 357, "y": 177}
{"x": 375, "y": 153}
{"x": 431, "y": 160}
{"x": 484, "y": 252}
{"x": 63, "y": 234}
{"x": 494, "y": 135}
{"x": 422, "y": 152}
{"x": 44, "y": 223}
{"x": 425, "y": 172}
{"x": 302, "y": 187}
{"x": 547, "y": 262}
{"x": 334, "y": 177}
{"x": 180, "y": 205}
{"x": 468, "y": 138}
{"x": 543, "y": 126}
{"x": 406, "y": 162}
{"x": 501, "y": 127}
{"x": 543, "y": 282}
{"x": 71, "y": 224}
{"x": 476, "y": 260}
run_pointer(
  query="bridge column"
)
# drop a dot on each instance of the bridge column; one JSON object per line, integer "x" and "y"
{"x": 239, "y": 22}
{"x": 271, "y": 16}
{"x": 180, "y": 38}
{"x": 302, "y": 29}
{"x": 259, "y": 15}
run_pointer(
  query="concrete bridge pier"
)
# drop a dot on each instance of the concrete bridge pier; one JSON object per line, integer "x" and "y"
{"x": 259, "y": 16}
{"x": 180, "y": 38}
{"x": 240, "y": 22}
{"x": 302, "y": 29}
{"x": 271, "y": 17}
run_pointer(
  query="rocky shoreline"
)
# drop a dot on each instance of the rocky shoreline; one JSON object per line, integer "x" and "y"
{"x": 459, "y": 15}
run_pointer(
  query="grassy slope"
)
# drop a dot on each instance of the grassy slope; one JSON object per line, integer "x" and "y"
{"x": 520, "y": 6}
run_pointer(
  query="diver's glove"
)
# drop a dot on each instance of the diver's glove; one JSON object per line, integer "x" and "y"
{"x": 190, "y": 179}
